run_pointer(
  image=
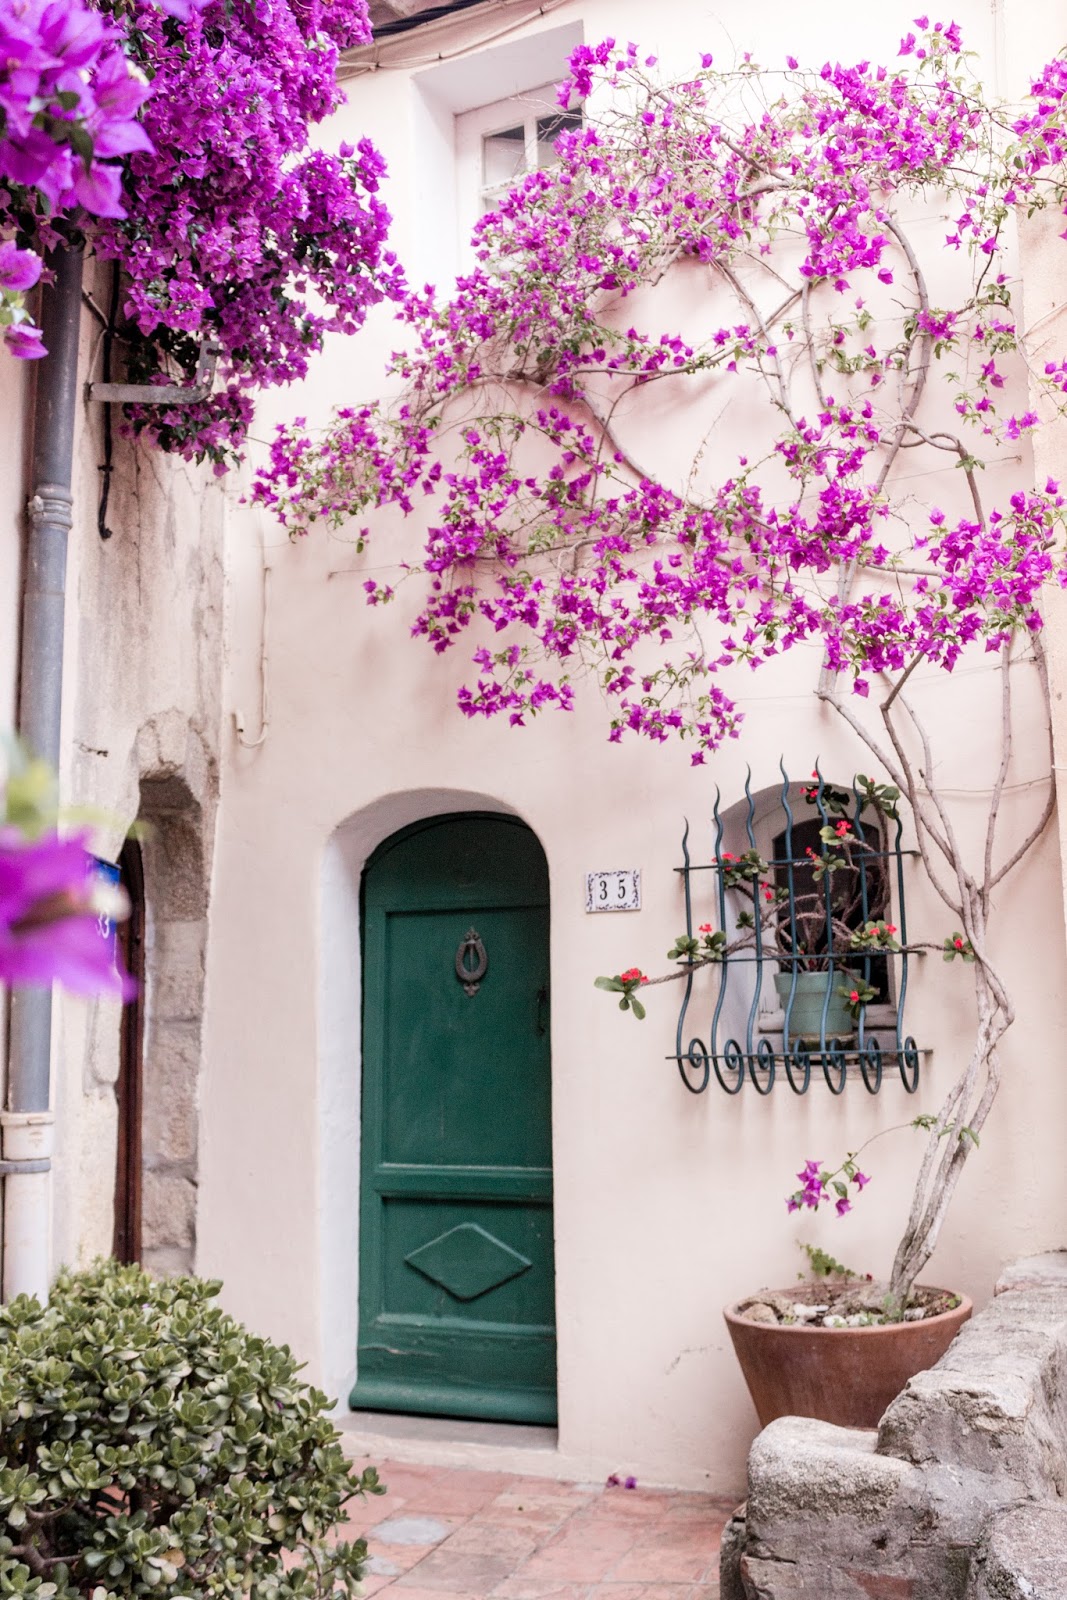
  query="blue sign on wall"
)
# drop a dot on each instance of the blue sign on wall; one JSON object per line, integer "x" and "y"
{"x": 109, "y": 873}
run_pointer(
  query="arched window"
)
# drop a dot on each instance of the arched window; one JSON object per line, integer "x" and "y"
{"x": 799, "y": 915}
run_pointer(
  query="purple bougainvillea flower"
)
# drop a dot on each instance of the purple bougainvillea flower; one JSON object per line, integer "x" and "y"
{"x": 49, "y": 923}
{"x": 24, "y": 340}
{"x": 19, "y": 269}
{"x": 99, "y": 190}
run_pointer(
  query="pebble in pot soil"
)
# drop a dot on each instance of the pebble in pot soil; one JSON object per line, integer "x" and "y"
{"x": 843, "y": 1303}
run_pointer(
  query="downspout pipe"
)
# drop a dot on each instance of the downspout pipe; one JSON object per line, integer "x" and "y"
{"x": 27, "y": 1122}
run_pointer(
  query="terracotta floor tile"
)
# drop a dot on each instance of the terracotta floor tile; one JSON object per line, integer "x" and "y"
{"x": 400, "y": 1479}
{"x": 663, "y": 1561}
{"x": 372, "y": 1582}
{"x": 637, "y": 1503}
{"x": 411, "y": 1592}
{"x": 540, "y": 1589}
{"x": 517, "y": 1537}
{"x": 642, "y": 1591}
{"x": 462, "y": 1501}
{"x": 563, "y": 1502}
{"x": 399, "y": 1557}
{"x": 496, "y": 1538}
{"x": 594, "y": 1533}
{"x": 699, "y": 1508}
{"x": 496, "y": 1482}
{"x": 570, "y": 1563}
{"x": 414, "y": 1528}
{"x": 458, "y": 1572}
{"x": 363, "y": 1515}
{"x": 524, "y": 1483}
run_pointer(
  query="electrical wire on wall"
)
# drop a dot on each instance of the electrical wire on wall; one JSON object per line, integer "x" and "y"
{"x": 350, "y": 68}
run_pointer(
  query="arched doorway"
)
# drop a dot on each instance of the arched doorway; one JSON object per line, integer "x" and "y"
{"x": 457, "y": 1295}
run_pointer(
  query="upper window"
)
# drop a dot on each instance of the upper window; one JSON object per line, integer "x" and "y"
{"x": 509, "y": 153}
{"x": 498, "y": 144}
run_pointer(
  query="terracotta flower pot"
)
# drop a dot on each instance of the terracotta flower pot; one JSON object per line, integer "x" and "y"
{"x": 843, "y": 1375}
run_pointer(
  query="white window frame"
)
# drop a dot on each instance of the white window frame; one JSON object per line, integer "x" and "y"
{"x": 474, "y": 195}
{"x": 444, "y": 96}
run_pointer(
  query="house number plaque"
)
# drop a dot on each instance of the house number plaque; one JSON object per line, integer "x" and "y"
{"x": 617, "y": 890}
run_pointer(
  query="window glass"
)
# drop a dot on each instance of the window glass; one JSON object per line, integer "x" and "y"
{"x": 857, "y": 895}
{"x": 548, "y": 131}
{"x": 503, "y": 156}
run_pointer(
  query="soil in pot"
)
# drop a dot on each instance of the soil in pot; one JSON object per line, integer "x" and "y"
{"x": 825, "y": 1350}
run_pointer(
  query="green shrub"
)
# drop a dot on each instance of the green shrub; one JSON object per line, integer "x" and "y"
{"x": 150, "y": 1445}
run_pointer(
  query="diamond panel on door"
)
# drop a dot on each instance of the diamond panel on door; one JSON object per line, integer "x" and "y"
{"x": 468, "y": 1262}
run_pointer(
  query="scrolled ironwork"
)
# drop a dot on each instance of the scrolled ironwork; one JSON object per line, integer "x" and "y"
{"x": 805, "y": 915}
{"x": 733, "y": 1059}
{"x": 909, "y": 1065}
{"x": 698, "y": 1058}
{"x": 871, "y": 1065}
{"x": 801, "y": 1058}
{"x": 764, "y": 1062}
{"x": 835, "y": 1066}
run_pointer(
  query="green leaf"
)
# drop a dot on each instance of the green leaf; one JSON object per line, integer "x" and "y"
{"x": 612, "y": 985}
{"x": 637, "y": 1008}
{"x": 81, "y": 141}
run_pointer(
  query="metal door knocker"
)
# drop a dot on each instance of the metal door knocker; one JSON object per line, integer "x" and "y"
{"x": 472, "y": 963}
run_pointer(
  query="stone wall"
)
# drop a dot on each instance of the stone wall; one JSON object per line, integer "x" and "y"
{"x": 177, "y": 804}
{"x": 142, "y": 724}
{"x": 951, "y": 1499}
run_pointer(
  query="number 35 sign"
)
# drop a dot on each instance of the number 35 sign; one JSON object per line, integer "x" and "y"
{"x": 619, "y": 890}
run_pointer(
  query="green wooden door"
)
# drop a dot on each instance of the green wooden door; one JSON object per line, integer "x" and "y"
{"x": 457, "y": 1304}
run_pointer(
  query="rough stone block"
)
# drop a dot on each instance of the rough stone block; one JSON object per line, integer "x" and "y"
{"x": 996, "y": 1402}
{"x": 929, "y": 1508}
{"x": 800, "y": 1469}
{"x": 1047, "y": 1271}
{"x": 168, "y": 1261}
{"x": 1024, "y": 1557}
{"x": 175, "y": 877}
{"x": 814, "y": 1580}
{"x": 168, "y": 1211}
{"x": 731, "y": 1549}
{"x": 176, "y": 970}
{"x": 822, "y": 1495}
{"x": 171, "y": 1073}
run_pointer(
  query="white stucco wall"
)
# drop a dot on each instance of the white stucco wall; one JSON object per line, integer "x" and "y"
{"x": 666, "y": 1206}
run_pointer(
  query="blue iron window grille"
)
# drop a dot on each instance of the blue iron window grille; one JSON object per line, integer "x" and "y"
{"x": 816, "y": 914}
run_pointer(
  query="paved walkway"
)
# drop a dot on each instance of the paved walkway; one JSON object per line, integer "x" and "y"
{"x": 466, "y": 1535}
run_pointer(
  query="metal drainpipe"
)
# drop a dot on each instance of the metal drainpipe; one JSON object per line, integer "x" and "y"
{"x": 27, "y": 1123}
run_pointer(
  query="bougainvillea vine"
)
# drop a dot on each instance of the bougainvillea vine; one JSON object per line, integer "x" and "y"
{"x": 520, "y": 426}
{"x": 770, "y": 245}
{"x": 176, "y": 139}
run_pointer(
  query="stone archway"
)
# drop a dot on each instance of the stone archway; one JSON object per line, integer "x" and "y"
{"x": 178, "y": 797}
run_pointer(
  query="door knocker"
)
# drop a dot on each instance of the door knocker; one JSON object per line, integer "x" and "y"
{"x": 472, "y": 963}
